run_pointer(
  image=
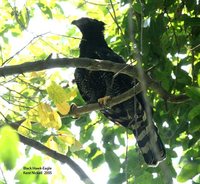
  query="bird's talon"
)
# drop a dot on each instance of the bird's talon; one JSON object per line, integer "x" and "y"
{"x": 103, "y": 101}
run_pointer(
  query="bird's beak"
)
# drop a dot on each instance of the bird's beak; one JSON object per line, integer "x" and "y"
{"x": 78, "y": 23}
{"x": 74, "y": 22}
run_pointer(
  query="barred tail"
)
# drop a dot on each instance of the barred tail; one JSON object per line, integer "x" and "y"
{"x": 149, "y": 142}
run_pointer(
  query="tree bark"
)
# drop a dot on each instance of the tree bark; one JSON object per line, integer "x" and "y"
{"x": 93, "y": 65}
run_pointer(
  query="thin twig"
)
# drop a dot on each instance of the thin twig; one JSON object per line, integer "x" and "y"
{"x": 126, "y": 158}
{"x": 97, "y": 4}
{"x": 10, "y": 58}
{"x": 20, "y": 94}
{"x": 195, "y": 47}
{"x": 4, "y": 179}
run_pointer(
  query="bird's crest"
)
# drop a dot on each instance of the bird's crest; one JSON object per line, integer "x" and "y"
{"x": 86, "y": 23}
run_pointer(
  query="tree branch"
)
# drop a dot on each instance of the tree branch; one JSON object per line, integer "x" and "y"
{"x": 79, "y": 110}
{"x": 53, "y": 154}
{"x": 93, "y": 65}
{"x": 62, "y": 158}
{"x": 114, "y": 101}
{"x": 95, "y": 106}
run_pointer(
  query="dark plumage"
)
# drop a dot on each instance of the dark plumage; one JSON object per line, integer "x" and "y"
{"x": 97, "y": 84}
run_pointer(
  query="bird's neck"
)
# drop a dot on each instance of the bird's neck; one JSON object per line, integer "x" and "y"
{"x": 90, "y": 44}
{"x": 94, "y": 40}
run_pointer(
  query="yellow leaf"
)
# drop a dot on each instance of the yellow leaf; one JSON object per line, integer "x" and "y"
{"x": 32, "y": 115}
{"x": 63, "y": 108}
{"x": 36, "y": 74}
{"x": 56, "y": 75}
{"x": 71, "y": 94}
{"x": 25, "y": 127}
{"x": 35, "y": 49}
{"x": 52, "y": 144}
{"x": 43, "y": 112}
{"x": 55, "y": 120}
{"x": 66, "y": 137}
{"x": 48, "y": 117}
{"x": 54, "y": 37}
{"x": 76, "y": 146}
{"x": 56, "y": 93}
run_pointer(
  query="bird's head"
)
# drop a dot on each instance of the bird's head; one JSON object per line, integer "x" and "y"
{"x": 89, "y": 26}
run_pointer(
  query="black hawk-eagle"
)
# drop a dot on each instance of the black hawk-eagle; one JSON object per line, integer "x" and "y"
{"x": 98, "y": 86}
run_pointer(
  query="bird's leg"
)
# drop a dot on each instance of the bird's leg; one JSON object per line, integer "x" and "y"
{"x": 104, "y": 100}
{"x": 108, "y": 78}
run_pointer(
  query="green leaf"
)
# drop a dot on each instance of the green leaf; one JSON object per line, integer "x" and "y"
{"x": 194, "y": 124}
{"x": 137, "y": 7}
{"x": 45, "y": 138}
{"x": 194, "y": 93}
{"x": 198, "y": 79}
{"x": 133, "y": 158}
{"x": 152, "y": 6}
{"x": 190, "y": 5}
{"x": 192, "y": 21}
{"x": 93, "y": 151}
{"x": 118, "y": 179}
{"x": 146, "y": 176}
{"x": 46, "y": 10}
{"x": 9, "y": 143}
{"x": 97, "y": 161}
{"x": 108, "y": 134}
{"x": 194, "y": 112}
{"x": 168, "y": 3}
{"x": 182, "y": 76}
{"x": 58, "y": 7}
{"x": 113, "y": 160}
{"x": 193, "y": 152}
{"x": 188, "y": 171}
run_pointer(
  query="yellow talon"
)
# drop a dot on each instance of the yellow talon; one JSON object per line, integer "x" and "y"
{"x": 104, "y": 100}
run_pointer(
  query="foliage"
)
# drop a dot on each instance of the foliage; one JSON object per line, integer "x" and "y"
{"x": 167, "y": 35}
{"x": 9, "y": 160}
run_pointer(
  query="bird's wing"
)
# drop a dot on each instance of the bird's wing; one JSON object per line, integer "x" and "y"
{"x": 89, "y": 84}
{"x": 105, "y": 53}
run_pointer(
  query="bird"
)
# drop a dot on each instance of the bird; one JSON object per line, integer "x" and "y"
{"x": 101, "y": 86}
